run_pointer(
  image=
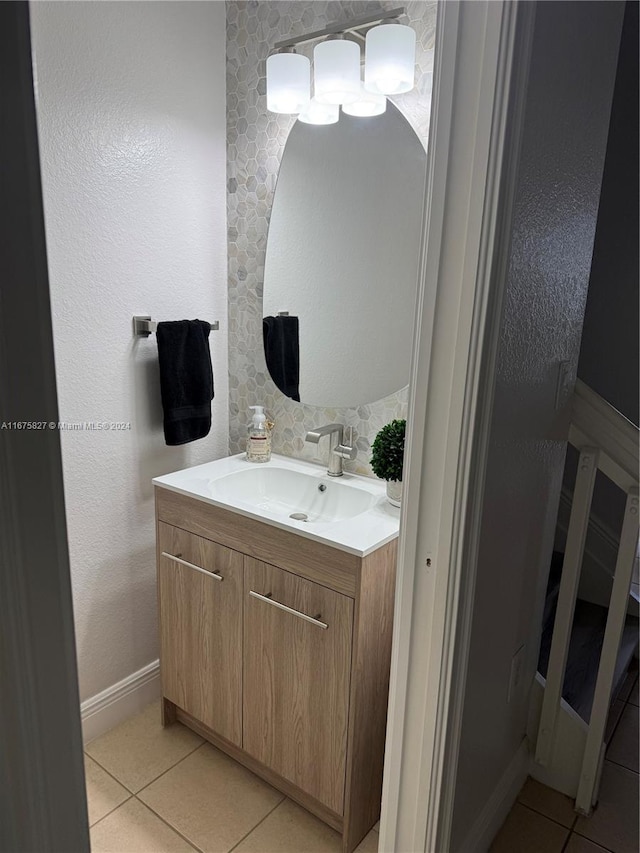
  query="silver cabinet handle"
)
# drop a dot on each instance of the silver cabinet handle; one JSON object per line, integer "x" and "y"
{"x": 192, "y": 566}
{"x": 269, "y": 600}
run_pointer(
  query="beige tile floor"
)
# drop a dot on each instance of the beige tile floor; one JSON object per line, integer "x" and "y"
{"x": 155, "y": 790}
{"x": 543, "y": 821}
{"x": 152, "y": 790}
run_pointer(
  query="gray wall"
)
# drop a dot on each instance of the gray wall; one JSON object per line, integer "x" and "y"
{"x": 609, "y": 357}
{"x": 558, "y": 187}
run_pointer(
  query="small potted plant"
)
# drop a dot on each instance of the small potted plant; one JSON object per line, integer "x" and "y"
{"x": 387, "y": 456}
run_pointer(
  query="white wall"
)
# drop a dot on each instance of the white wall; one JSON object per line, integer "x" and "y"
{"x": 131, "y": 109}
{"x": 556, "y": 204}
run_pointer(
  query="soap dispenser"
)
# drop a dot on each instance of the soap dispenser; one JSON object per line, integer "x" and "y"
{"x": 259, "y": 437}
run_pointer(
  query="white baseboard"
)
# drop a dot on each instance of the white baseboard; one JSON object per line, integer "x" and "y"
{"x": 120, "y": 701}
{"x": 499, "y": 804}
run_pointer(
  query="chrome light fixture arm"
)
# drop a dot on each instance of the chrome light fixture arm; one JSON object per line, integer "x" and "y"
{"x": 354, "y": 27}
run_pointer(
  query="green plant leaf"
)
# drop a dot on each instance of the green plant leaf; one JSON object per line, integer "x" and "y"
{"x": 388, "y": 451}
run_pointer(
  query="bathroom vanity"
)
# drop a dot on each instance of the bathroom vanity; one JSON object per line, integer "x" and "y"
{"x": 275, "y": 632}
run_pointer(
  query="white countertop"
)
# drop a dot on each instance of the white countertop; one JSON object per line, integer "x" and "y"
{"x": 360, "y": 534}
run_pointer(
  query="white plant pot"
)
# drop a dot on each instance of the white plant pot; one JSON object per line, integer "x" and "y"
{"x": 394, "y": 492}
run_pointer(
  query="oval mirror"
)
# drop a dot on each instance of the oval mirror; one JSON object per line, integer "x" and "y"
{"x": 342, "y": 260}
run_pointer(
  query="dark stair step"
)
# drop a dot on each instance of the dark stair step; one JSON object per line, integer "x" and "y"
{"x": 587, "y": 636}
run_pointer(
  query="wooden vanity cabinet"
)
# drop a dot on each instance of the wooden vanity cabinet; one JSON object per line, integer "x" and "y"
{"x": 283, "y": 664}
{"x": 296, "y": 679}
{"x": 200, "y": 602}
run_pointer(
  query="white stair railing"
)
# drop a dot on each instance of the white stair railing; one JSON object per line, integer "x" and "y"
{"x": 608, "y": 442}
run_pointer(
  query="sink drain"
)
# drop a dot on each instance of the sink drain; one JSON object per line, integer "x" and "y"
{"x": 299, "y": 516}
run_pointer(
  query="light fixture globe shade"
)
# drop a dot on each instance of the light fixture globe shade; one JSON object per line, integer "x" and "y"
{"x": 288, "y": 83}
{"x": 336, "y": 71}
{"x": 390, "y": 59}
{"x": 368, "y": 104}
{"x": 316, "y": 113}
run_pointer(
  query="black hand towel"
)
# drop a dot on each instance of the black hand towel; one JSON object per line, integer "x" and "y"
{"x": 186, "y": 379}
{"x": 282, "y": 353}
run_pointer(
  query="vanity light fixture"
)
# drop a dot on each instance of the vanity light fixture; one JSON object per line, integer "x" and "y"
{"x": 317, "y": 113}
{"x": 336, "y": 71}
{"x": 368, "y": 104}
{"x": 390, "y": 59}
{"x": 389, "y": 68}
{"x": 288, "y": 82}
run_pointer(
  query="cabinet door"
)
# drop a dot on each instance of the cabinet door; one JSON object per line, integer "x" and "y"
{"x": 200, "y": 591}
{"x": 297, "y": 644}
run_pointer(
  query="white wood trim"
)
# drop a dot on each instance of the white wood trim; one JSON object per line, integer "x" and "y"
{"x": 472, "y": 75}
{"x": 510, "y": 105}
{"x": 594, "y": 422}
{"x": 600, "y": 555}
{"x": 576, "y": 537}
{"x": 499, "y": 804}
{"x": 563, "y": 770}
{"x": 120, "y": 701}
{"x": 406, "y": 578}
{"x": 591, "y": 764}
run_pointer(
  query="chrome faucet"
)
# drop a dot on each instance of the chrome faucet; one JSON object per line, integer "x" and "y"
{"x": 338, "y": 450}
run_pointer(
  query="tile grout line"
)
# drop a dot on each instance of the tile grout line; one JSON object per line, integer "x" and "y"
{"x": 146, "y": 785}
{"x": 626, "y": 700}
{"x": 571, "y": 833}
{"x": 615, "y": 728}
{"x": 184, "y": 837}
{"x": 164, "y": 772}
{"x": 624, "y": 766}
{"x": 171, "y": 827}
{"x": 566, "y": 843}
{"x": 231, "y": 849}
{"x": 111, "y": 811}
{"x": 586, "y": 837}
{"x": 109, "y": 773}
{"x": 552, "y": 819}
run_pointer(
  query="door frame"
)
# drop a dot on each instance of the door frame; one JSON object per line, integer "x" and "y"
{"x": 480, "y": 76}
{"x": 450, "y": 387}
{"x": 43, "y": 803}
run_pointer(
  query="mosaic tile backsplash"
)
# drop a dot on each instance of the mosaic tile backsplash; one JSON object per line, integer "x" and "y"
{"x": 255, "y": 142}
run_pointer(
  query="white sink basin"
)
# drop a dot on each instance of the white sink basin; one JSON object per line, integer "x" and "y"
{"x": 349, "y": 512}
{"x": 289, "y": 493}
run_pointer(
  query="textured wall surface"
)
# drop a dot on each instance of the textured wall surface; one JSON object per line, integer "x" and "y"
{"x": 609, "y": 360}
{"x": 556, "y": 206}
{"x": 131, "y": 103}
{"x": 256, "y": 140}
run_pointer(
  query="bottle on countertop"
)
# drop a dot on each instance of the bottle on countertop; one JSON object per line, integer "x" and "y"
{"x": 259, "y": 437}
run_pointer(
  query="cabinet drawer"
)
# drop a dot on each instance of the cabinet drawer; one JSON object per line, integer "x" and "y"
{"x": 297, "y": 640}
{"x": 200, "y": 595}
{"x": 319, "y": 562}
